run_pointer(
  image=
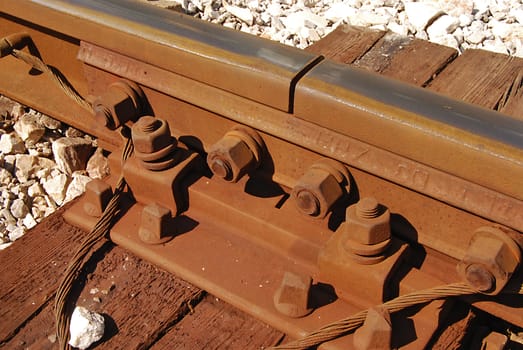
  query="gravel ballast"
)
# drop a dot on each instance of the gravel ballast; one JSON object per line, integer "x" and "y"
{"x": 493, "y": 25}
{"x": 43, "y": 165}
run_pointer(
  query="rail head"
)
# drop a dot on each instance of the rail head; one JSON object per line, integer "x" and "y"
{"x": 258, "y": 69}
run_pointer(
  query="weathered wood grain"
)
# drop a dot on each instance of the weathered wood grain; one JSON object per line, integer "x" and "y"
{"x": 216, "y": 325}
{"x": 410, "y": 60}
{"x": 346, "y": 43}
{"x": 483, "y": 78}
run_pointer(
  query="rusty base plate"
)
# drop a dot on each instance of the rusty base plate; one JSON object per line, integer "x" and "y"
{"x": 231, "y": 261}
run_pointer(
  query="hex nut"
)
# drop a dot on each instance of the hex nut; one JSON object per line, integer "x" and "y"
{"x": 376, "y": 331}
{"x": 151, "y": 135}
{"x": 368, "y": 231}
{"x": 120, "y": 103}
{"x": 155, "y": 224}
{"x": 491, "y": 255}
{"x": 96, "y": 198}
{"x": 230, "y": 158}
{"x": 316, "y": 192}
{"x": 292, "y": 297}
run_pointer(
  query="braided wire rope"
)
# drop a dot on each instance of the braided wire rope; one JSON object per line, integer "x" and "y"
{"x": 8, "y": 47}
{"x": 346, "y": 325}
{"x": 105, "y": 222}
{"x": 99, "y": 231}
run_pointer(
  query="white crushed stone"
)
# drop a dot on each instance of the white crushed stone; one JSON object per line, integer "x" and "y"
{"x": 495, "y": 25}
{"x": 86, "y": 328}
{"x": 34, "y": 181}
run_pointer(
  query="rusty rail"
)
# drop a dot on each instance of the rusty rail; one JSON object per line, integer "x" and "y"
{"x": 300, "y": 140}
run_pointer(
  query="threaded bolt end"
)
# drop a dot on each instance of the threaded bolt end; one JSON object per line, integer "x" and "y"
{"x": 148, "y": 124}
{"x": 368, "y": 208}
{"x": 221, "y": 168}
{"x": 103, "y": 116}
{"x": 480, "y": 278}
{"x": 308, "y": 203}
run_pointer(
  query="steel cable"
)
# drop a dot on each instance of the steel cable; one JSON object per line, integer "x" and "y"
{"x": 346, "y": 325}
{"x": 99, "y": 231}
{"x": 8, "y": 47}
{"x": 104, "y": 224}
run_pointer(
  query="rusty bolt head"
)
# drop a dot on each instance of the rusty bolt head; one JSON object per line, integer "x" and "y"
{"x": 376, "y": 331}
{"x": 151, "y": 135}
{"x": 307, "y": 202}
{"x": 221, "y": 168}
{"x": 367, "y": 222}
{"x": 155, "y": 226}
{"x": 292, "y": 297}
{"x": 316, "y": 192}
{"x": 230, "y": 158}
{"x": 479, "y": 277}
{"x": 120, "y": 103}
{"x": 97, "y": 195}
{"x": 490, "y": 260}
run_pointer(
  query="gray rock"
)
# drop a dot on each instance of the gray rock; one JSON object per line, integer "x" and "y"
{"x": 29, "y": 128}
{"x": 71, "y": 154}
{"x": 25, "y": 167}
{"x": 16, "y": 233}
{"x": 49, "y": 123}
{"x": 17, "y": 111}
{"x": 29, "y": 221}
{"x": 5, "y": 176}
{"x": 242, "y": 13}
{"x": 19, "y": 209}
{"x": 86, "y": 328}
{"x": 72, "y": 132}
{"x": 56, "y": 187}
{"x": 421, "y": 14}
{"x": 11, "y": 144}
{"x": 442, "y": 26}
{"x": 35, "y": 190}
{"x": 77, "y": 187}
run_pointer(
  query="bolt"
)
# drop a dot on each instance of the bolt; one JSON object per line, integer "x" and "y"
{"x": 148, "y": 124}
{"x": 376, "y": 331}
{"x": 368, "y": 208}
{"x": 480, "y": 278}
{"x": 155, "y": 224}
{"x": 221, "y": 168}
{"x": 368, "y": 222}
{"x": 237, "y": 153}
{"x": 491, "y": 259}
{"x": 322, "y": 185}
{"x": 367, "y": 231}
{"x": 120, "y": 103}
{"x": 153, "y": 143}
{"x": 97, "y": 196}
{"x": 308, "y": 203}
{"x": 292, "y": 297}
{"x": 102, "y": 115}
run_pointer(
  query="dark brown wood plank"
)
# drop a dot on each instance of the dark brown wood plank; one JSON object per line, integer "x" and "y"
{"x": 346, "y": 43}
{"x": 483, "y": 78}
{"x": 512, "y": 101}
{"x": 138, "y": 300}
{"x": 30, "y": 270}
{"x": 39, "y": 333}
{"x": 141, "y": 300}
{"x": 216, "y": 325}
{"x": 407, "y": 59}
